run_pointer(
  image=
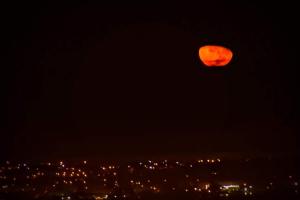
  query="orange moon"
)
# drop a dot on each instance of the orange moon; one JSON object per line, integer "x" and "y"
{"x": 215, "y": 56}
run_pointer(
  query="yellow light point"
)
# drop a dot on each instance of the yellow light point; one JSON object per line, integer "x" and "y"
{"x": 219, "y": 160}
{"x": 84, "y": 162}
{"x": 208, "y": 161}
{"x": 207, "y": 186}
{"x": 212, "y": 161}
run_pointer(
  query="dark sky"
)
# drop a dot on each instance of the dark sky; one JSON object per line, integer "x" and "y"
{"x": 93, "y": 80}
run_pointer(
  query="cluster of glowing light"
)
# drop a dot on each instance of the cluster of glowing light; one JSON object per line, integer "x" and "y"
{"x": 230, "y": 188}
{"x": 101, "y": 197}
{"x": 155, "y": 189}
{"x": 74, "y": 176}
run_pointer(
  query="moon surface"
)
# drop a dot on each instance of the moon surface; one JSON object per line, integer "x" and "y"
{"x": 215, "y": 56}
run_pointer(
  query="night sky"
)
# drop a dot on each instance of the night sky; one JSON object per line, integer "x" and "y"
{"x": 103, "y": 80}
